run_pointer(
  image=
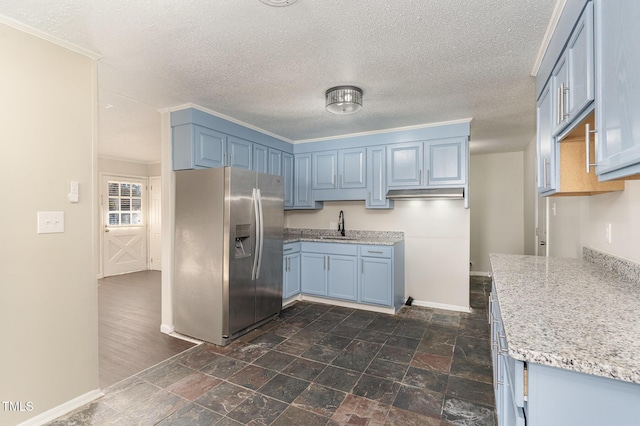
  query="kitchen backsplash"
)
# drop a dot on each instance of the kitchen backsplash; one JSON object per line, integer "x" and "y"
{"x": 354, "y": 233}
{"x": 625, "y": 268}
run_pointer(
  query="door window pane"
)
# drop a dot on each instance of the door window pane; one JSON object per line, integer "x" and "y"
{"x": 125, "y": 198}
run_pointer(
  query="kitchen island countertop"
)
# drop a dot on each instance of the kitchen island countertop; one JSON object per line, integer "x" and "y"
{"x": 570, "y": 314}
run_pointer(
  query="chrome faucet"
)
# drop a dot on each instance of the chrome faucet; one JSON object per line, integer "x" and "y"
{"x": 341, "y": 223}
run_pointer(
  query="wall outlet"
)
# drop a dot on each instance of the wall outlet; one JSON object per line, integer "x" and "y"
{"x": 607, "y": 232}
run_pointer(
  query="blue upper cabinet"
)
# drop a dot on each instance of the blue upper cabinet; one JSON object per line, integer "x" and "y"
{"x": 197, "y": 147}
{"x": 618, "y": 96}
{"x": 287, "y": 173}
{"x": 275, "y": 162}
{"x": 240, "y": 153}
{"x": 446, "y": 162}
{"x": 405, "y": 164}
{"x": 580, "y": 56}
{"x": 376, "y": 178}
{"x": 302, "y": 191}
{"x": 572, "y": 79}
{"x": 352, "y": 170}
{"x": 325, "y": 169}
{"x": 260, "y": 158}
{"x": 434, "y": 163}
{"x": 546, "y": 181}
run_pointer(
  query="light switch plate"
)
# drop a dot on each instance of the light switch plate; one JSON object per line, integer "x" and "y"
{"x": 50, "y": 222}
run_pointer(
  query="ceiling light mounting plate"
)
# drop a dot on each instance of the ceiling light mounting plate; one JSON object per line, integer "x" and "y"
{"x": 343, "y": 99}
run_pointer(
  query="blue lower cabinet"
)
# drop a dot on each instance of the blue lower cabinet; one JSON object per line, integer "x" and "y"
{"x": 291, "y": 270}
{"x": 314, "y": 274}
{"x": 375, "y": 281}
{"x": 342, "y": 277}
{"x": 357, "y": 273}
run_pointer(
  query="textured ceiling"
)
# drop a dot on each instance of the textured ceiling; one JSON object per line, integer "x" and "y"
{"x": 417, "y": 61}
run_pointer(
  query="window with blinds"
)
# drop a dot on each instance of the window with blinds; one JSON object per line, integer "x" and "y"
{"x": 125, "y": 203}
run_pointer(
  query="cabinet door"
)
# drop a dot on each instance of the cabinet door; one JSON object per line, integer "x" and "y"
{"x": 446, "y": 162}
{"x": 209, "y": 147}
{"x": 580, "y": 92}
{"x": 313, "y": 272}
{"x": 240, "y": 153}
{"x": 325, "y": 167}
{"x": 376, "y": 177}
{"x": 260, "y": 158}
{"x": 618, "y": 86}
{"x": 303, "y": 196}
{"x": 287, "y": 173}
{"x": 275, "y": 162}
{"x": 405, "y": 164}
{"x": 291, "y": 274}
{"x": 376, "y": 281}
{"x": 559, "y": 87}
{"x": 352, "y": 168}
{"x": 545, "y": 141}
{"x": 342, "y": 272}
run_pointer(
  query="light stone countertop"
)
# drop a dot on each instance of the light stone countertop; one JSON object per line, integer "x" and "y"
{"x": 383, "y": 238}
{"x": 570, "y": 314}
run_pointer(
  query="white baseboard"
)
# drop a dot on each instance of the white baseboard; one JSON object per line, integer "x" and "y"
{"x": 167, "y": 329}
{"x": 441, "y": 306}
{"x": 479, "y": 273}
{"x": 63, "y": 409}
{"x": 345, "y": 304}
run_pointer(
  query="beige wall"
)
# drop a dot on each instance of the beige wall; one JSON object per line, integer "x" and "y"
{"x": 496, "y": 188}
{"x": 530, "y": 198}
{"x": 48, "y": 302}
{"x": 436, "y": 242}
{"x": 127, "y": 168}
{"x": 580, "y": 221}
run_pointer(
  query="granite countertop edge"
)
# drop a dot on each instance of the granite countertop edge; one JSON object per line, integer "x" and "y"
{"x": 570, "y": 314}
{"x": 292, "y": 235}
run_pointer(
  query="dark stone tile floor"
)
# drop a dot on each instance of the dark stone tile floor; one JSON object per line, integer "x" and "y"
{"x": 321, "y": 365}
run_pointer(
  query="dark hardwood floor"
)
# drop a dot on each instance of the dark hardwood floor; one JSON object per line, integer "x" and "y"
{"x": 129, "y": 326}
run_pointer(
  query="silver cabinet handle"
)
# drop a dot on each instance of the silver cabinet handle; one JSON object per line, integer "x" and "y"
{"x": 362, "y": 266}
{"x": 328, "y": 263}
{"x": 544, "y": 172}
{"x": 324, "y": 262}
{"x": 288, "y": 249}
{"x": 374, "y": 251}
{"x": 587, "y": 142}
{"x": 565, "y": 95}
{"x": 420, "y": 177}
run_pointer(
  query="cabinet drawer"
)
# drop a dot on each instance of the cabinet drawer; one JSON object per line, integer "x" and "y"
{"x": 376, "y": 251}
{"x": 289, "y": 248}
{"x": 330, "y": 248}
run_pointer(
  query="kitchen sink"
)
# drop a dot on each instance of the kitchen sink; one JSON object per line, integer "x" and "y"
{"x": 338, "y": 237}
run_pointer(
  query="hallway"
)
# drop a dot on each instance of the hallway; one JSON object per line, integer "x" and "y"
{"x": 129, "y": 326}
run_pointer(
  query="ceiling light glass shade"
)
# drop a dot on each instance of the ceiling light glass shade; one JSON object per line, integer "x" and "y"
{"x": 278, "y": 3}
{"x": 344, "y": 99}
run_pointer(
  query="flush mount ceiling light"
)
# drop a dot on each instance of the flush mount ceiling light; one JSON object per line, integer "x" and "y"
{"x": 344, "y": 99}
{"x": 278, "y": 3}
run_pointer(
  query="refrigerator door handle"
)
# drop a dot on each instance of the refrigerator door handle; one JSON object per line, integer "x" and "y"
{"x": 257, "y": 234}
{"x": 257, "y": 256}
{"x": 260, "y": 232}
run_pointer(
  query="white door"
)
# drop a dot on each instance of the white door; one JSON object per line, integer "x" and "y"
{"x": 124, "y": 225}
{"x": 155, "y": 224}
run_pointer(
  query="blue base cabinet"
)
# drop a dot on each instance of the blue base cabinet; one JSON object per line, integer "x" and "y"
{"x": 291, "y": 270}
{"x": 367, "y": 274}
{"x": 551, "y": 396}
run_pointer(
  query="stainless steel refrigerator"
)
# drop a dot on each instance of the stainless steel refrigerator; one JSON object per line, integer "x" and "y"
{"x": 228, "y": 252}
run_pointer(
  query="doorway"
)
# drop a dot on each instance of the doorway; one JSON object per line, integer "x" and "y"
{"x": 124, "y": 224}
{"x": 541, "y": 227}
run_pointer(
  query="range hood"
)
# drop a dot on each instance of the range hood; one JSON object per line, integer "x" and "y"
{"x": 426, "y": 194}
